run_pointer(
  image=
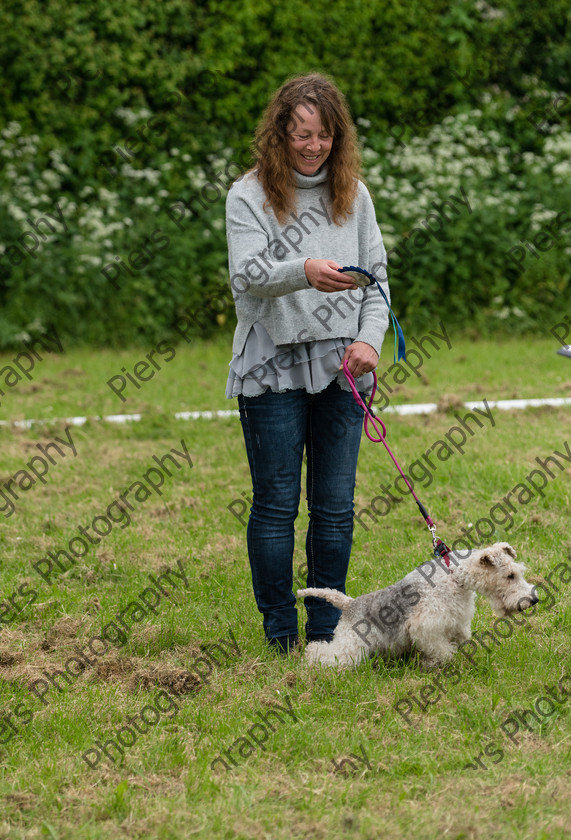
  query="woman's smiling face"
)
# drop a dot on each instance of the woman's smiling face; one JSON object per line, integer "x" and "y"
{"x": 309, "y": 143}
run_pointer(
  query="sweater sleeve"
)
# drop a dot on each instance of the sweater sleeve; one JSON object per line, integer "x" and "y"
{"x": 374, "y": 317}
{"x": 253, "y": 269}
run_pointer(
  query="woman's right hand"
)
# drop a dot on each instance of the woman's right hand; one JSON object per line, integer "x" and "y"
{"x": 323, "y": 276}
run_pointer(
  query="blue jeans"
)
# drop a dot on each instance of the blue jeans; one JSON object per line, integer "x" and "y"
{"x": 276, "y": 429}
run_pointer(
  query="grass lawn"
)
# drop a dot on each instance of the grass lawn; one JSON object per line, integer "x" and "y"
{"x": 173, "y": 663}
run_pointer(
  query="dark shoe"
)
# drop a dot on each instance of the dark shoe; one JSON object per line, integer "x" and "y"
{"x": 284, "y": 644}
{"x": 328, "y": 637}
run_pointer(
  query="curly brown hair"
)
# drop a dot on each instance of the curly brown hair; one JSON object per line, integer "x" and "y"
{"x": 272, "y": 152}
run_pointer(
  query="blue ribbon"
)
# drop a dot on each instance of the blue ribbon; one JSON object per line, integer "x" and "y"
{"x": 396, "y": 326}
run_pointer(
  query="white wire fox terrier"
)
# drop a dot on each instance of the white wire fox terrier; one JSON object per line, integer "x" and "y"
{"x": 431, "y": 608}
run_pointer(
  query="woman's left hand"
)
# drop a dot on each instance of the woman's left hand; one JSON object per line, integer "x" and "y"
{"x": 361, "y": 358}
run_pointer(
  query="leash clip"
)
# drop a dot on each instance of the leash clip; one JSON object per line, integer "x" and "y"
{"x": 432, "y": 529}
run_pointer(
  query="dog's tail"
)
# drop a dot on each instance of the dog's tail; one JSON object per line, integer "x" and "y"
{"x": 338, "y": 599}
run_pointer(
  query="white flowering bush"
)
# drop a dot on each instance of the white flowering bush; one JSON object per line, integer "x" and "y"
{"x": 468, "y": 272}
{"x": 70, "y": 276}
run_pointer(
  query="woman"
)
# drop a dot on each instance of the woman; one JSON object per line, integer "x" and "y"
{"x": 293, "y": 220}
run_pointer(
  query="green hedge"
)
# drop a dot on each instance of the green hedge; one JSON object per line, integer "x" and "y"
{"x": 115, "y": 111}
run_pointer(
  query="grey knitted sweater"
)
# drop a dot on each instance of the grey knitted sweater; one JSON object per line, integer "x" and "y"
{"x": 266, "y": 262}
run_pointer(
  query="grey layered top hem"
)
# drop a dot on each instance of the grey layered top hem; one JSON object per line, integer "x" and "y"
{"x": 311, "y": 365}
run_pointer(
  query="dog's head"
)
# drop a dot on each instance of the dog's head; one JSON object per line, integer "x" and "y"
{"x": 494, "y": 573}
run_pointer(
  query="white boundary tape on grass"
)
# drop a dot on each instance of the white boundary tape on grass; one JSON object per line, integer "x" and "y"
{"x": 418, "y": 408}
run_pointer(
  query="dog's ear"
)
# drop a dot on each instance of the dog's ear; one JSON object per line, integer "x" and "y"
{"x": 486, "y": 560}
{"x": 509, "y": 550}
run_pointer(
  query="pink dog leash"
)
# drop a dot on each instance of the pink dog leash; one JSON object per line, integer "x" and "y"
{"x": 440, "y": 548}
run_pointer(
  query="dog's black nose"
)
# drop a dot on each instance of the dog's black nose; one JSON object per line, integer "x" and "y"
{"x": 528, "y": 601}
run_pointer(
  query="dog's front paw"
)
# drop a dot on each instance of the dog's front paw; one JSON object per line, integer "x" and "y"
{"x": 428, "y": 663}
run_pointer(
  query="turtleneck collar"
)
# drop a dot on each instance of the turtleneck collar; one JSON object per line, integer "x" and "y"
{"x": 305, "y": 182}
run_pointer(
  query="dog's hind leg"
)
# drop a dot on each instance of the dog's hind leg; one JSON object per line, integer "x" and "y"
{"x": 342, "y": 652}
